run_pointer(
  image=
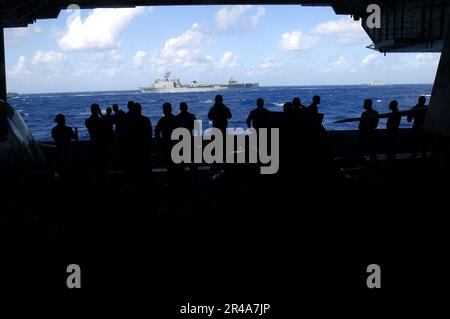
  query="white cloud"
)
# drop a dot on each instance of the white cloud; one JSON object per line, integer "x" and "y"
{"x": 99, "y": 31}
{"x": 428, "y": 58}
{"x": 15, "y": 33}
{"x": 253, "y": 21}
{"x": 139, "y": 58}
{"x": 228, "y": 61}
{"x": 369, "y": 59}
{"x": 296, "y": 41}
{"x": 37, "y": 29}
{"x": 228, "y": 16}
{"x": 341, "y": 64}
{"x": 184, "y": 51}
{"x": 270, "y": 63}
{"x": 111, "y": 71}
{"x": 234, "y": 18}
{"x": 20, "y": 68}
{"x": 112, "y": 56}
{"x": 184, "y": 47}
{"x": 48, "y": 58}
{"x": 347, "y": 30}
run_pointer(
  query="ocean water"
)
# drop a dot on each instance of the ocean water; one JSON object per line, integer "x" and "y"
{"x": 338, "y": 102}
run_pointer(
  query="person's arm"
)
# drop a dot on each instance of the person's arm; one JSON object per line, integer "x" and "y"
{"x": 210, "y": 114}
{"x": 54, "y": 134}
{"x": 73, "y": 135}
{"x": 150, "y": 129}
{"x": 158, "y": 131}
{"x": 249, "y": 120}
{"x": 229, "y": 115}
{"x": 410, "y": 116}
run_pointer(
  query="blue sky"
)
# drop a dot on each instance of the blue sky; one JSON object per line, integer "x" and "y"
{"x": 122, "y": 49}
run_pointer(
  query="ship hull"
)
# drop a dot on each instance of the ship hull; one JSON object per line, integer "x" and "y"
{"x": 182, "y": 89}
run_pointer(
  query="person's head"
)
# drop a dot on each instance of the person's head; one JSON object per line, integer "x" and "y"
{"x": 109, "y": 110}
{"x": 137, "y": 107}
{"x": 167, "y": 108}
{"x": 130, "y": 105}
{"x": 316, "y": 99}
{"x": 219, "y": 99}
{"x": 260, "y": 103}
{"x": 368, "y": 104}
{"x": 287, "y": 107}
{"x": 95, "y": 109}
{"x": 115, "y": 108}
{"x": 296, "y": 101}
{"x": 183, "y": 107}
{"x": 60, "y": 119}
{"x": 422, "y": 100}
{"x": 393, "y": 106}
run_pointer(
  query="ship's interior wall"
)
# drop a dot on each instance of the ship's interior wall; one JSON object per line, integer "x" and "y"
{"x": 412, "y": 26}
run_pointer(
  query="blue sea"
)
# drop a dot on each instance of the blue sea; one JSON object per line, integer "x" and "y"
{"x": 338, "y": 102}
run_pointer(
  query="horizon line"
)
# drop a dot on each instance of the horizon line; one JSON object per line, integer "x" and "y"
{"x": 268, "y": 86}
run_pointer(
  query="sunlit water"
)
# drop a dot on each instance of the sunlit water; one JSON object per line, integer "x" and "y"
{"x": 338, "y": 102}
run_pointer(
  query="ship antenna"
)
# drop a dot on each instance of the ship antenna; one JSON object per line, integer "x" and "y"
{"x": 167, "y": 76}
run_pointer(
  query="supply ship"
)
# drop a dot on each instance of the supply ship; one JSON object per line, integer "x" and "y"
{"x": 174, "y": 85}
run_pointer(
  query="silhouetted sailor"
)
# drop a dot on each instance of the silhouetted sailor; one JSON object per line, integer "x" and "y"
{"x": 259, "y": 117}
{"x": 219, "y": 114}
{"x": 297, "y": 105}
{"x": 314, "y": 107}
{"x": 118, "y": 119}
{"x": 138, "y": 132}
{"x": 137, "y": 144}
{"x": 184, "y": 118}
{"x": 287, "y": 107}
{"x": 392, "y": 126}
{"x": 99, "y": 143}
{"x": 94, "y": 124}
{"x": 313, "y": 117}
{"x": 367, "y": 128}
{"x": 164, "y": 129}
{"x": 108, "y": 123}
{"x": 63, "y": 136}
{"x": 418, "y": 138}
{"x": 130, "y": 107}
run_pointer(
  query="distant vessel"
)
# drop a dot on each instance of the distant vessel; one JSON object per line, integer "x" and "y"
{"x": 11, "y": 95}
{"x": 376, "y": 83}
{"x": 235, "y": 84}
{"x": 168, "y": 85}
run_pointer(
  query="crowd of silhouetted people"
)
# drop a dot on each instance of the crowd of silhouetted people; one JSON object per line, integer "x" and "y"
{"x": 127, "y": 136}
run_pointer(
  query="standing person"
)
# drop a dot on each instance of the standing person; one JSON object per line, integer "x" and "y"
{"x": 219, "y": 114}
{"x": 95, "y": 127}
{"x": 259, "y": 117}
{"x": 130, "y": 106}
{"x": 185, "y": 119}
{"x": 392, "y": 126}
{"x": 163, "y": 131}
{"x": 108, "y": 127}
{"x": 63, "y": 136}
{"x": 314, "y": 107}
{"x": 297, "y": 105}
{"x": 367, "y": 130}
{"x": 418, "y": 138}
{"x": 119, "y": 118}
{"x": 138, "y": 141}
{"x": 94, "y": 124}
